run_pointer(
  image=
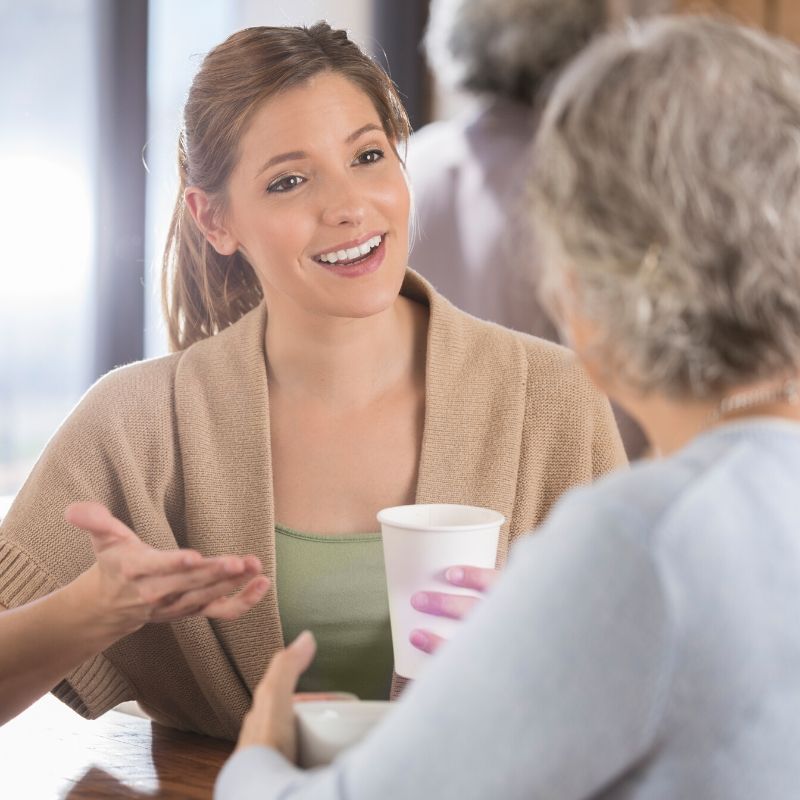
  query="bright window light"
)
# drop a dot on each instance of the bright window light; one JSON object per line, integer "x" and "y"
{"x": 46, "y": 211}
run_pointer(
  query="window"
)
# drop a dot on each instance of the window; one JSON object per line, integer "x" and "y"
{"x": 47, "y": 94}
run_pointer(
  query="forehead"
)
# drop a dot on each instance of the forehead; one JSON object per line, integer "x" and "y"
{"x": 327, "y": 107}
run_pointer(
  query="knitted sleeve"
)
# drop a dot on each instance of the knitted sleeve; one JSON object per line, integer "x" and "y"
{"x": 103, "y": 452}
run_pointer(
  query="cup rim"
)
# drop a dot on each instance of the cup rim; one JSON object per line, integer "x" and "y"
{"x": 384, "y": 517}
{"x": 359, "y": 707}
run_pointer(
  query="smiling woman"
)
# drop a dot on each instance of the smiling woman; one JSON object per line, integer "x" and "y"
{"x": 300, "y": 217}
{"x": 315, "y": 381}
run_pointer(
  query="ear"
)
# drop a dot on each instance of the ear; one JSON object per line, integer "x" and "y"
{"x": 208, "y": 221}
{"x": 585, "y": 338}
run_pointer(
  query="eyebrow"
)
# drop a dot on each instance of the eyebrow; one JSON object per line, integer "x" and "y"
{"x": 296, "y": 155}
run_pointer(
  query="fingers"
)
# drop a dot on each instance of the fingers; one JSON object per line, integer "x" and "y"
{"x": 270, "y": 720}
{"x": 146, "y": 562}
{"x": 453, "y": 606}
{"x": 287, "y": 666}
{"x": 426, "y": 641}
{"x": 301, "y": 652}
{"x": 97, "y": 520}
{"x": 107, "y": 531}
{"x": 236, "y": 605}
{"x": 160, "y": 573}
{"x": 472, "y": 577}
{"x": 184, "y": 595}
{"x": 315, "y": 697}
{"x": 444, "y": 605}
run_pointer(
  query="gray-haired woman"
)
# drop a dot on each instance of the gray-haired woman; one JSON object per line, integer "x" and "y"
{"x": 645, "y": 644}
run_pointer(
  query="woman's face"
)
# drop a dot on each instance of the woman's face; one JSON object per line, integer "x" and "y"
{"x": 319, "y": 203}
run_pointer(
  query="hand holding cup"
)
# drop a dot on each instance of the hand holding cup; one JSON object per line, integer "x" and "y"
{"x": 421, "y": 543}
{"x": 454, "y": 606}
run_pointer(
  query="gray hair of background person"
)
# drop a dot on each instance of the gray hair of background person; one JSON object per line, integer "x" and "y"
{"x": 667, "y": 185}
{"x": 511, "y": 47}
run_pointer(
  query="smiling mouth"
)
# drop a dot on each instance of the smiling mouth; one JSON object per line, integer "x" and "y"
{"x": 352, "y": 255}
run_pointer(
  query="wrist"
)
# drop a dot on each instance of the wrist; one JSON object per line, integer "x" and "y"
{"x": 86, "y": 604}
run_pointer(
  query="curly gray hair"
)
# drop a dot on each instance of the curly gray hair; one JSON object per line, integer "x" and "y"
{"x": 512, "y": 47}
{"x": 667, "y": 184}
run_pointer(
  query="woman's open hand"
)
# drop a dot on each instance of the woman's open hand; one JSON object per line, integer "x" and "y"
{"x": 455, "y": 606}
{"x": 133, "y": 584}
{"x": 270, "y": 721}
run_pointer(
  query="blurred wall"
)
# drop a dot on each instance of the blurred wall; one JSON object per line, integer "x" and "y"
{"x": 777, "y": 16}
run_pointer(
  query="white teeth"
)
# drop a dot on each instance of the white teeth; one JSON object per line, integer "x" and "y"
{"x": 351, "y": 252}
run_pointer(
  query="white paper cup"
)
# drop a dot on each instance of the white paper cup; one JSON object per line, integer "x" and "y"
{"x": 419, "y": 543}
{"x": 326, "y": 727}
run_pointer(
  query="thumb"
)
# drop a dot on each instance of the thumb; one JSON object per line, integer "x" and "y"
{"x": 302, "y": 651}
{"x": 97, "y": 520}
{"x": 289, "y": 665}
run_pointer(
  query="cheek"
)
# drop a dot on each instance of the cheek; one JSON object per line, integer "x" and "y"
{"x": 396, "y": 200}
{"x": 405, "y": 199}
{"x": 404, "y": 191}
{"x": 279, "y": 236}
{"x": 389, "y": 191}
{"x": 577, "y": 332}
{"x": 584, "y": 338}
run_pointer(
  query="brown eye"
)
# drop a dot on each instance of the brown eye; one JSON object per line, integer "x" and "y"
{"x": 286, "y": 184}
{"x": 370, "y": 156}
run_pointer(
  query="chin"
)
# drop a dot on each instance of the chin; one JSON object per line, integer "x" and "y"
{"x": 362, "y": 308}
{"x": 369, "y": 296}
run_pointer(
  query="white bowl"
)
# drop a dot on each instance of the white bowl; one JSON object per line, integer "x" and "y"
{"x": 326, "y": 727}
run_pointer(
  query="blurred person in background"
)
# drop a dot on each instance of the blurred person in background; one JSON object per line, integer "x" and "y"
{"x": 644, "y": 644}
{"x": 467, "y": 174}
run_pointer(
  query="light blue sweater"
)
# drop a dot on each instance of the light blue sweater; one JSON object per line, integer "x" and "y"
{"x": 645, "y": 644}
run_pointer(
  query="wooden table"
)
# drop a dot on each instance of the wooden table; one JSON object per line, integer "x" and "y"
{"x": 50, "y": 752}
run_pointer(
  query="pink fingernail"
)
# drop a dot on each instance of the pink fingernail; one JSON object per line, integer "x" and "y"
{"x": 455, "y": 575}
{"x": 418, "y": 639}
{"x": 420, "y": 601}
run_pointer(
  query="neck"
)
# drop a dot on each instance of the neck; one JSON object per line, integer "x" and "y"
{"x": 670, "y": 424}
{"x": 340, "y": 361}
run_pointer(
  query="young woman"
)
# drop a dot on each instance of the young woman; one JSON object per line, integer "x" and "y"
{"x": 315, "y": 381}
{"x": 645, "y": 643}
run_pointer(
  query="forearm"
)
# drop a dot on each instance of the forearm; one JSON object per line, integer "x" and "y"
{"x": 43, "y": 641}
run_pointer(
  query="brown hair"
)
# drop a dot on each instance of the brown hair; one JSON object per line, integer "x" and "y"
{"x": 204, "y": 292}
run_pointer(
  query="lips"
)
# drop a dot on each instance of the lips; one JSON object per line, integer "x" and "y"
{"x": 349, "y": 252}
{"x": 355, "y": 268}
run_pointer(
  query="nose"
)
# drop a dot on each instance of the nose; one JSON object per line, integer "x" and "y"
{"x": 343, "y": 204}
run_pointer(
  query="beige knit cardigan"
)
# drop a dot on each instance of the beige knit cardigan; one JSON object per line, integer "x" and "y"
{"x": 179, "y": 448}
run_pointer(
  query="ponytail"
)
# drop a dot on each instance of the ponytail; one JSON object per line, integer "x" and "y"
{"x": 202, "y": 292}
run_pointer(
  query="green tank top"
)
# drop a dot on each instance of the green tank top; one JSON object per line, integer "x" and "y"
{"x": 335, "y": 586}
